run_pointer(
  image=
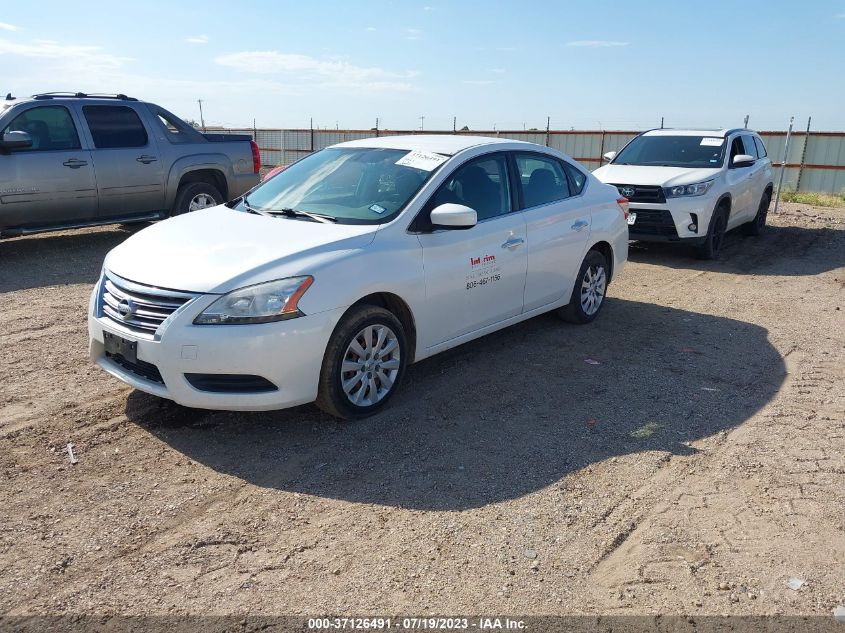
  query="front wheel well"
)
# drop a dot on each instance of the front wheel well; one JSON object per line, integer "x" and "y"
{"x": 607, "y": 250}
{"x": 211, "y": 176}
{"x": 397, "y": 306}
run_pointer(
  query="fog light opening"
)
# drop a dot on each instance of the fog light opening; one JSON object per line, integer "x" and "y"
{"x": 693, "y": 226}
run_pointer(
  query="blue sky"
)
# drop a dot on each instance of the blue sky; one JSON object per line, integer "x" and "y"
{"x": 609, "y": 64}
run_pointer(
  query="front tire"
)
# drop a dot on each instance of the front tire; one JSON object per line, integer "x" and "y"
{"x": 587, "y": 297}
{"x": 756, "y": 226}
{"x": 715, "y": 235}
{"x": 364, "y": 363}
{"x": 195, "y": 196}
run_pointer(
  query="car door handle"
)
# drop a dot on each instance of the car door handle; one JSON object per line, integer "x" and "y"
{"x": 144, "y": 158}
{"x": 580, "y": 224}
{"x": 513, "y": 243}
{"x": 75, "y": 163}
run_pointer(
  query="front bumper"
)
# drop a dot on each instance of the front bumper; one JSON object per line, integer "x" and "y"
{"x": 670, "y": 221}
{"x": 289, "y": 354}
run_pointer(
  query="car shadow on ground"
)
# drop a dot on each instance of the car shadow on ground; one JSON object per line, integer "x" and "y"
{"x": 779, "y": 251}
{"x": 53, "y": 259}
{"x": 502, "y": 416}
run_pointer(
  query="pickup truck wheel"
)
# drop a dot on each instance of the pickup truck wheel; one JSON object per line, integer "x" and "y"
{"x": 715, "y": 235}
{"x": 590, "y": 288}
{"x": 756, "y": 226}
{"x": 364, "y": 363}
{"x": 195, "y": 196}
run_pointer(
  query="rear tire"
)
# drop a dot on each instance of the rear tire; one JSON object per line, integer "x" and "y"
{"x": 364, "y": 363}
{"x": 756, "y": 226}
{"x": 589, "y": 291}
{"x": 194, "y": 196}
{"x": 715, "y": 235}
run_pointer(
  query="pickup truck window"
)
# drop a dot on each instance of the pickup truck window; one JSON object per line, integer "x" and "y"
{"x": 50, "y": 127}
{"x": 351, "y": 185}
{"x": 663, "y": 150}
{"x": 115, "y": 126}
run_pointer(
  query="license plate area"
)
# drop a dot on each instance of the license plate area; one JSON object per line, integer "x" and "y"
{"x": 117, "y": 346}
{"x": 632, "y": 217}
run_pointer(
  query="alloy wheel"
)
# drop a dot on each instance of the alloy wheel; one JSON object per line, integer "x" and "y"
{"x": 370, "y": 365}
{"x": 593, "y": 287}
{"x": 201, "y": 201}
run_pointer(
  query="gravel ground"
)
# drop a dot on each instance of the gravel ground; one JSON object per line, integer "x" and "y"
{"x": 695, "y": 468}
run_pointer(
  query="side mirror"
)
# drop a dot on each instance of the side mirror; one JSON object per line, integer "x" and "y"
{"x": 743, "y": 160}
{"x": 609, "y": 156}
{"x": 16, "y": 140}
{"x": 454, "y": 216}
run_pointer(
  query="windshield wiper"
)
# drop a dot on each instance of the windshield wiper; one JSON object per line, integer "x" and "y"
{"x": 250, "y": 209}
{"x": 295, "y": 213}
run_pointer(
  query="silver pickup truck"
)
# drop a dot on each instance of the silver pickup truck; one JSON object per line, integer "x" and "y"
{"x": 70, "y": 160}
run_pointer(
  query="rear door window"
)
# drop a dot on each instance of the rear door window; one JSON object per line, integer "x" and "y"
{"x": 49, "y": 127}
{"x": 542, "y": 178}
{"x": 115, "y": 127}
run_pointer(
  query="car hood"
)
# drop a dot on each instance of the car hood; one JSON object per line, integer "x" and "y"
{"x": 660, "y": 176}
{"x": 217, "y": 250}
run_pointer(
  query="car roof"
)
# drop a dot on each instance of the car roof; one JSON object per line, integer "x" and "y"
{"x": 438, "y": 143}
{"x": 720, "y": 133}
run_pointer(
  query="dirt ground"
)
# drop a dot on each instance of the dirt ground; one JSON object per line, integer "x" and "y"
{"x": 695, "y": 469}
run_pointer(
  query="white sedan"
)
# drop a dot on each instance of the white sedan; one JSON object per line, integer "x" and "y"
{"x": 324, "y": 282}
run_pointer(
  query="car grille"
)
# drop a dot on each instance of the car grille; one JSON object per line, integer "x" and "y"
{"x": 138, "y": 367}
{"x": 643, "y": 193}
{"x": 136, "y": 307}
{"x": 653, "y": 222}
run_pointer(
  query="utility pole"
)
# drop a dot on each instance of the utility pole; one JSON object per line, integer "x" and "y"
{"x": 454, "y": 124}
{"x": 661, "y": 123}
{"x": 422, "y": 123}
{"x": 548, "y": 126}
{"x": 202, "y": 120}
{"x": 745, "y": 124}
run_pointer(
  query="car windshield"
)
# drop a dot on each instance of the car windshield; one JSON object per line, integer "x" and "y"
{"x": 346, "y": 185}
{"x": 673, "y": 151}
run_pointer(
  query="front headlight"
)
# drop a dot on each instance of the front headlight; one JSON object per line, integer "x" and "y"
{"x": 261, "y": 303}
{"x": 697, "y": 189}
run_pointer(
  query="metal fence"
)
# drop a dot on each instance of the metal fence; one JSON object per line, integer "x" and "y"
{"x": 816, "y": 160}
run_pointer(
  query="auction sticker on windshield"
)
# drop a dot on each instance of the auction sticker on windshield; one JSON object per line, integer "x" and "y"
{"x": 422, "y": 160}
{"x": 712, "y": 142}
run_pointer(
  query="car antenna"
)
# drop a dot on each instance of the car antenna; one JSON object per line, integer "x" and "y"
{"x": 9, "y": 97}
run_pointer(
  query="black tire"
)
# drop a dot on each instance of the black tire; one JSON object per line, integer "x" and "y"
{"x": 715, "y": 235}
{"x": 331, "y": 395}
{"x": 756, "y": 226}
{"x": 575, "y": 312}
{"x": 192, "y": 190}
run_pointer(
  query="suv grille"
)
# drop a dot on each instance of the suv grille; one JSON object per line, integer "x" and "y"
{"x": 653, "y": 222}
{"x": 643, "y": 193}
{"x": 137, "y": 307}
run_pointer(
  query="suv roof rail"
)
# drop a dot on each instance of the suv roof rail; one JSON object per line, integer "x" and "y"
{"x": 82, "y": 95}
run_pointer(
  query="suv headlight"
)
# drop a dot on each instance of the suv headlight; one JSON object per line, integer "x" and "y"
{"x": 261, "y": 303}
{"x": 696, "y": 189}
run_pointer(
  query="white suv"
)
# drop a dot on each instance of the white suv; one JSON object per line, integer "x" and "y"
{"x": 690, "y": 186}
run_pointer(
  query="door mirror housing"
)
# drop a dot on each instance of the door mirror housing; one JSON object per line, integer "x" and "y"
{"x": 15, "y": 140}
{"x": 609, "y": 156}
{"x": 743, "y": 160}
{"x": 453, "y": 216}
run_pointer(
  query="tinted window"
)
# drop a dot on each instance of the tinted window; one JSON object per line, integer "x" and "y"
{"x": 761, "y": 149}
{"x": 543, "y": 179}
{"x": 115, "y": 126}
{"x": 737, "y": 148}
{"x": 175, "y": 130}
{"x": 673, "y": 151}
{"x": 50, "y": 127}
{"x": 750, "y": 147}
{"x": 481, "y": 184}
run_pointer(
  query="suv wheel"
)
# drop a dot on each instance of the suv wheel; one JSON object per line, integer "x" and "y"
{"x": 364, "y": 363}
{"x": 195, "y": 196}
{"x": 756, "y": 226}
{"x": 590, "y": 288}
{"x": 715, "y": 235}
